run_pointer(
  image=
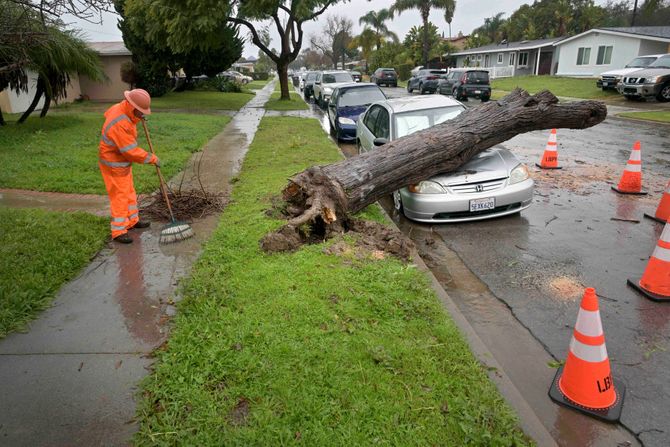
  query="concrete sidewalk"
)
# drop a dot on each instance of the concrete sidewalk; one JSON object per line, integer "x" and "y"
{"x": 71, "y": 378}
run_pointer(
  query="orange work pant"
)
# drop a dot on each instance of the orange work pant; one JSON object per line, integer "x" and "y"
{"x": 122, "y": 198}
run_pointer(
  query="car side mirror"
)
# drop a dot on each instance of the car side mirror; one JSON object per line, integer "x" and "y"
{"x": 380, "y": 141}
{"x": 317, "y": 82}
{"x": 330, "y": 104}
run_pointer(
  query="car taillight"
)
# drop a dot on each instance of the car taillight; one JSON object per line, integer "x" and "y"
{"x": 431, "y": 77}
{"x": 463, "y": 79}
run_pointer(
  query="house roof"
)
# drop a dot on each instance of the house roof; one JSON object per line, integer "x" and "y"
{"x": 658, "y": 33}
{"x": 110, "y": 48}
{"x": 510, "y": 46}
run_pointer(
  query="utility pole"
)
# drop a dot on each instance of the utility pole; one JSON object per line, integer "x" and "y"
{"x": 632, "y": 21}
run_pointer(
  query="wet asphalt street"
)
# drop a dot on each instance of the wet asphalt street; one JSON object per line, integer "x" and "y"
{"x": 519, "y": 279}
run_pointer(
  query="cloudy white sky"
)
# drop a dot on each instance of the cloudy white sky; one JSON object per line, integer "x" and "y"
{"x": 469, "y": 15}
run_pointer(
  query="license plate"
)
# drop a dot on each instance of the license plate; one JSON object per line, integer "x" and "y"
{"x": 482, "y": 204}
{"x": 605, "y": 84}
{"x": 478, "y": 91}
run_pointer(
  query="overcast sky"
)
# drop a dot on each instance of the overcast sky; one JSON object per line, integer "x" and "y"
{"x": 469, "y": 14}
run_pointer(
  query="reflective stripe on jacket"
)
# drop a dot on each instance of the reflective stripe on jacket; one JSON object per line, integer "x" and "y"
{"x": 118, "y": 138}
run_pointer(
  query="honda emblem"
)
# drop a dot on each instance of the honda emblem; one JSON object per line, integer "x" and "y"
{"x": 479, "y": 188}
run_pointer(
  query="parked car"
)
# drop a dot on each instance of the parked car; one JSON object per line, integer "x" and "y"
{"x": 415, "y": 70}
{"x": 308, "y": 89}
{"x": 236, "y": 76}
{"x": 493, "y": 183}
{"x": 650, "y": 82}
{"x": 610, "y": 79}
{"x": 385, "y": 76}
{"x": 347, "y": 103}
{"x": 356, "y": 75}
{"x": 425, "y": 81}
{"x": 464, "y": 83}
{"x": 326, "y": 81}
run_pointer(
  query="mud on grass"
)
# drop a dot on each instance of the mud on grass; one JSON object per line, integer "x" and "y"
{"x": 311, "y": 345}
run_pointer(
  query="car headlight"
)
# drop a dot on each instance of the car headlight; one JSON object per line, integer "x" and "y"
{"x": 654, "y": 79}
{"x": 327, "y": 90}
{"x": 426, "y": 187}
{"x": 519, "y": 174}
{"x": 344, "y": 120}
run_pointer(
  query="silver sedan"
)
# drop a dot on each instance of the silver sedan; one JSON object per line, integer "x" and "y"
{"x": 493, "y": 183}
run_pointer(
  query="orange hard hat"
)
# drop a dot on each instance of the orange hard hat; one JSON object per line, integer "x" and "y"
{"x": 139, "y": 99}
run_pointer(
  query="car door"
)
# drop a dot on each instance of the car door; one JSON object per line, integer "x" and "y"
{"x": 451, "y": 79}
{"x": 332, "y": 107}
{"x": 366, "y": 134}
{"x": 317, "y": 85}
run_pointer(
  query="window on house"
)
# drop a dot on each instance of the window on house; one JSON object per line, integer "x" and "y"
{"x": 500, "y": 58}
{"x": 583, "y": 56}
{"x": 604, "y": 55}
{"x": 523, "y": 59}
{"x": 479, "y": 57}
{"x": 511, "y": 59}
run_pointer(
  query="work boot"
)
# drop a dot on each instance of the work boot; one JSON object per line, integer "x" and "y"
{"x": 124, "y": 239}
{"x": 141, "y": 224}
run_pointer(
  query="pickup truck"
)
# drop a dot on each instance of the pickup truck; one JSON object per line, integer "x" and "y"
{"x": 651, "y": 82}
{"x": 610, "y": 79}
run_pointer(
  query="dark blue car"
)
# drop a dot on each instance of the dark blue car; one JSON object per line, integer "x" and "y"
{"x": 347, "y": 102}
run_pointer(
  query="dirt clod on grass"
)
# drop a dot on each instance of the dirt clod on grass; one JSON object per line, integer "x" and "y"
{"x": 373, "y": 240}
{"x": 186, "y": 205}
{"x": 239, "y": 413}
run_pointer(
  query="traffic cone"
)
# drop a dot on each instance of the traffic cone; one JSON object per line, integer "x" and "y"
{"x": 585, "y": 382}
{"x": 550, "y": 156}
{"x": 655, "y": 282}
{"x": 663, "y": 211}
{"x": 631, "y": 180}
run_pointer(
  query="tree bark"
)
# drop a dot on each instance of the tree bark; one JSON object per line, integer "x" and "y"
{"x": 282, "y": 71}
{"x": 333, "y": 192}
{"x": 2, "y": 118}
{"x": 39, "y": 91}
{"x": 47, "y": 104}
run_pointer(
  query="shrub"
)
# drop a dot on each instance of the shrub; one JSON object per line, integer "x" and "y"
{"x": 404, "y": 71}
{"x": 260, "y": 76}
{"x": 129, "y": 73}
{"x": 228, "y": 86}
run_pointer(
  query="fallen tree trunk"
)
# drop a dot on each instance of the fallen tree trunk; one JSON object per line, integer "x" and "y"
{"x": 328, "y": 195}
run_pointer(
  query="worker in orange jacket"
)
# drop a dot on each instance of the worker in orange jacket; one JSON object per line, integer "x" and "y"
{"x": 118, "y": 150}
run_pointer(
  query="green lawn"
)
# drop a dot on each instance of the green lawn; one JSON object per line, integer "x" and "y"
{"x": 195, "y": 101}
{"x": 310, "y": 348}
{"x": 296, "y": 102}
{"x": 658, "y": 116}
{"x": 256, "y": 85}
{"x": 559, "y": 86}
{"x": 60, "y": 152}
{"x": 39, "y": 251}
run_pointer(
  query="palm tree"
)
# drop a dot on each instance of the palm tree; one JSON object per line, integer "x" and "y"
{"x": 449, "y": 15}
{"x": 377, "y": 20}
{"x": 424, "y": 7}
{"x": 366, "y": 40}
{"x": 66, "y": 54}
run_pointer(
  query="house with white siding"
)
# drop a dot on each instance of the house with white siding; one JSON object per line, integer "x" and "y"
{"x": 506, "y": 59}
{"x": 602, "y": 49}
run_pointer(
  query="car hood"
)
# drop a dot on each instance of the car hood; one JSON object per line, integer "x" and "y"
{"x": 494, "y": 163}
{"x": 334, "y": 85}
{"x": 650, "y": 72}
{"x": 352, "y": 111}
{"x": 621, "y": 71}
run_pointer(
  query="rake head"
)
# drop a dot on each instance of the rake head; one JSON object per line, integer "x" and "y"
{"x": 175, "y": 232}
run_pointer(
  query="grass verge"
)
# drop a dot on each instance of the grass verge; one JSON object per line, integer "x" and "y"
{"x": 39, "y": 251}
{"x": 296, "y": 102}
{"x": 559, "y": 86}
{"x": 658, "y": 116}
{"x": 60, "y": 152}
{"x": 309, "y": 347}
{"x": 194, "y": 101}
{"x": 257, "y": 85}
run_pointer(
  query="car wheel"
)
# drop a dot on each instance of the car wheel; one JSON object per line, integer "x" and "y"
{"x": 358, "y": 146}
{"x": 409, "y": 89}
{"x": 397, "y": 202}
{"x": 664, "y": 94}
{"x": 395, "y": 85}
{"x": 421, "y": 90}
{"x": 485, "y": 98}
{"x": 320, "y": 101}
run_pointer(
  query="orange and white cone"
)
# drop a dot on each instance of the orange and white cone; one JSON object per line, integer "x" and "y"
{"x": 550, "y": 156}
{"x": 663, "y": 211}
{"x": 585, "y": 382}
{"x": 631, "y": 180}
{"x": 655, "y": 281}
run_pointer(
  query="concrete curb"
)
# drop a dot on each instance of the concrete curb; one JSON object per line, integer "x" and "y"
{"x": 529, "y": 421}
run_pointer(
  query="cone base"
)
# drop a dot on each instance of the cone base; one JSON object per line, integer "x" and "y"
{"x": 651, "y": 216}
{"x": 544, "y": 167}
{"x": 635, "y": 284}
{"x": 640, "y": 193}
{"x": 610, "y": 414}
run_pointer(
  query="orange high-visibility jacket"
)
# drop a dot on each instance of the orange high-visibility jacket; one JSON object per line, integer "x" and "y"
{"x": 118, "y": 140}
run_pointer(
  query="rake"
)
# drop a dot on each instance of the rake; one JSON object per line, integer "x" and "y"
{"x": 175, "y": 231}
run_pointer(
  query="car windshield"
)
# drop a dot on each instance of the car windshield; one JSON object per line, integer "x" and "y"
{"x": 640, "y": 62}
{"x": 478, "y": 77}
{"x": 407, "y": 123}
{"x": 360, "y": 96}
{"x": 336, "y": 77}
{"x": 661, "y": 62}
{"x": 388, "y": 72}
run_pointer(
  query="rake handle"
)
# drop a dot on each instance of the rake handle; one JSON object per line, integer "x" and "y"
{"x": 158, "y": 170}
